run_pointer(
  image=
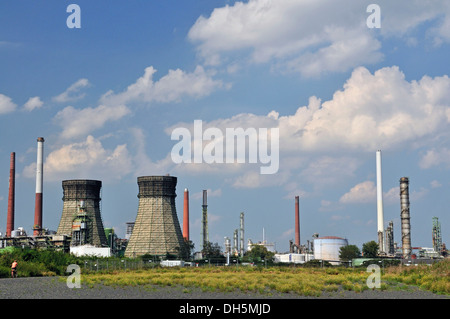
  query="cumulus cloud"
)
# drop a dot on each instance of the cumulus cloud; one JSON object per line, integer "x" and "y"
{"x": 380, "y": 110}
{"x": 80, "y": 122}
{"x": 309, "y": 37}
{"x": 33, "y": 103}
{"x": 72, "y": 92}
{"x": 87, "y": 159}
{"x": 436, "y": 157}
{"x": 170, "y": 88}
{"x": 364, "y": 192}
{"x": 6, "y": 104}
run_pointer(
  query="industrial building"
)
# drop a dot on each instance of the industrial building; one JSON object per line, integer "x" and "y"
{"x": 156, "y": 230}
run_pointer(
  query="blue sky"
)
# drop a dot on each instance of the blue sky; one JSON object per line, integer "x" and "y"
{"x": 107, "y": 96}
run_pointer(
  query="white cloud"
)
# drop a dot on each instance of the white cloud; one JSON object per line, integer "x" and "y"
{"x": 310, "y": 37}
{"x": 70, "y": 94}
{"x": 33, "y": 103}
{"x": 364, "y": 192}
{"x": 87, "y": 159}
{"x": 435, "y": 184}
{"x": 328, "y": 170}
{"x": 6, "y": 104}
{"x": 170, "y": 88}
{"x": 380, "y": 110}
{"x": 373, "y": 111}
{"x": 436, "y": 157}
{"x": 80, "y": 122}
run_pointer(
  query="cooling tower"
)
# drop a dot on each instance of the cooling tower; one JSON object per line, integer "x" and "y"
{"x": 81, "y": 212}
{"x": 156, "y": 229}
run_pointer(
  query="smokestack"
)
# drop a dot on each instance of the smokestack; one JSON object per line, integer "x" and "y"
{"x": 186, "y": 215}
{"x": 242, "y": 236}
{"x": 39, "y": 183}
{"x": 205, "y": 219}
{"x": 405, "y": 217}
{"x": 11, "y": 197}
{"x": 235, "y": 242}
{"x": 380, "y": 217}
{"x": 297, "y": 223}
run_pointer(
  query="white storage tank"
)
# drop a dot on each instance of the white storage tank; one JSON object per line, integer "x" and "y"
{"x": 327, "y": 248}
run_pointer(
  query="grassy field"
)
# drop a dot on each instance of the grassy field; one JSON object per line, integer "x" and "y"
{"x": 302, "y": 281}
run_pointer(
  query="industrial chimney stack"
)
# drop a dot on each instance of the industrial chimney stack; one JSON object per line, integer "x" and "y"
{"x": 405, "y": 217}
{"x": 297, "y": 223}
{"x": 205, "y": 220}
{"x": 380, "y": 217}
{"x": 39, "y": 183}
{"x": 241, "y": 251}
{"x": 11, "y": 197}
{"x": 186, "y": 215}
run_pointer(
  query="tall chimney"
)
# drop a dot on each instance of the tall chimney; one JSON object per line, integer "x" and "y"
{"x": 11, "y": 196}
{"x": 405, "y": 217}
{"x": 39, "y": 183}
{"x": 297, "y": 223}
{"x": 186, "y": 215}
{"x": 380, "y": 217}
{"x": 205, "y": 220}
{"x": 242, "y": 236}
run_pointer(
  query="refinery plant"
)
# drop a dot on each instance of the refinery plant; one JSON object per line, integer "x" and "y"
{"x": 156, "y": 230}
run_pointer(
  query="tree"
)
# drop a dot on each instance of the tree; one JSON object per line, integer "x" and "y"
{"x": 211, "y": 250}
{"x": 347, "y": 253}
{"x": 370, "y": 249}
{"x": 259, "y": 251}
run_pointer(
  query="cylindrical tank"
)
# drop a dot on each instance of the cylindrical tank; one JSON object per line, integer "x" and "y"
{"x": 327, "y": 248}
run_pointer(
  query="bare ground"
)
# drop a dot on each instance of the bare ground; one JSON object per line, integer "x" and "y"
{"x": 56, "y": 288}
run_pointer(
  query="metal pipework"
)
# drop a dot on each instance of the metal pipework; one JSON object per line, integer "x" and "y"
{"x": 405, "y": 217}
{"x": 39, "y": 185}
{"x": 11, "y": 196}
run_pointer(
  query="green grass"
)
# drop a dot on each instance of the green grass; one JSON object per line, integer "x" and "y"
{"x": 302, "y": 281}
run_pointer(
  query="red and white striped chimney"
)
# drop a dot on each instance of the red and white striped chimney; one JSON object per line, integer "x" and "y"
{"x": 11, "y": 197}
{"x": 186, "y": 215}
{"x": 39, "y": 183}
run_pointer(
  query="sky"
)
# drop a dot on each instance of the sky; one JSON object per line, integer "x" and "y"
{"x": 107, "y": 94}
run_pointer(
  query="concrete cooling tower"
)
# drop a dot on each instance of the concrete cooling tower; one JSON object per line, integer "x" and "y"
{"x": 81, "y": 217}
{"x": 156, "y": 229}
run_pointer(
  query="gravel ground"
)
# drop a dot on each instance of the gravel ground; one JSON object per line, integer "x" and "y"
{"x": 55, "y": 288}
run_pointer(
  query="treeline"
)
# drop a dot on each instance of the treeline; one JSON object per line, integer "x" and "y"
{"x": 32, "y": 262}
